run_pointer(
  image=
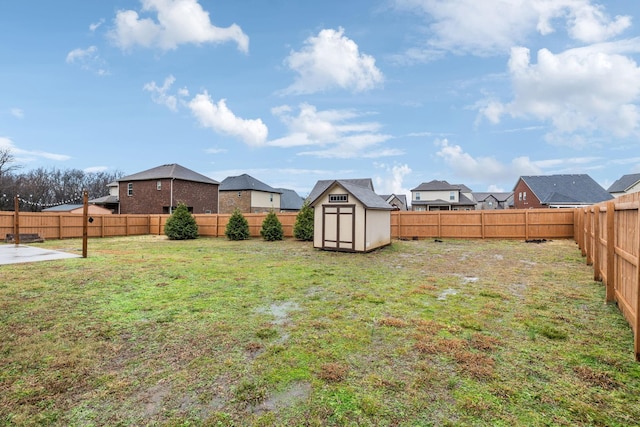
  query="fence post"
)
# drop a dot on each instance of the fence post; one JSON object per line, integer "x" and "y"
{"x": 85, "y": 222}
{"x": 526, "y": 225}
{"x": 611, "y": 252}
{"x": 597, "y": 276}
{"x": 636, "y": 329}
{"x": 16, "y": 222}
{"x": 596, "y": 244}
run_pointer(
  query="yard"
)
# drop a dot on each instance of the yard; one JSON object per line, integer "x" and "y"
{"x": 148, "y": 331}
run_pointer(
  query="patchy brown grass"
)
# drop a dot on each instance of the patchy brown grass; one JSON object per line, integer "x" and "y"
{"x": 148, "y": 331}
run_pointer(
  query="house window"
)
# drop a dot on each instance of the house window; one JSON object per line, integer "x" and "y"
{"x": 524, "y": 195}
{"x": 452, "y": 195}
{"x": 159, "y": 185}
{"x": 271, "y": 197}
{"x": 490, "y": 203}
{"x": 520, "y": 196}
{"x": 130, "y": 189}
{"x": 239, "y": 193}
{"x": 417, "y": 196}
{"x": 338, "y": 198}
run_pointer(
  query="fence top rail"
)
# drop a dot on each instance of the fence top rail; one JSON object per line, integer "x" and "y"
{"x": 627, "y": 206}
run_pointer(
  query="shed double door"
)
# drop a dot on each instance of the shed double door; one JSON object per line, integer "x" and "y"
{"x": 338, "y": 227}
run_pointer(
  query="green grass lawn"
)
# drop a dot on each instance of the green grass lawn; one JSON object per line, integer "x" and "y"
{"x": 148, "y": 331}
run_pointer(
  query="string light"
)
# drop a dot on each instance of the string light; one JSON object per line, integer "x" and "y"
{"x": 49, "y": 205}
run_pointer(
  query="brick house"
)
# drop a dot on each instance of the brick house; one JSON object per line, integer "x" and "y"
{"x": 159, "y": 190}
{"x": 247, "y": 194}
{"x": 557, "y": 191}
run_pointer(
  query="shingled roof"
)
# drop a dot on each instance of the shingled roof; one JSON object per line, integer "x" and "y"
{"x": 566, "y": 189}
{"x": 245, "y": 182}
{"x": 624, "y": 183}
{"x": 173, "y": 170}
{"x": 361, "y": 189}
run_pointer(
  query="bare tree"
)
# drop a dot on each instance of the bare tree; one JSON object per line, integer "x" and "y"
{"x": 6, "y": 158}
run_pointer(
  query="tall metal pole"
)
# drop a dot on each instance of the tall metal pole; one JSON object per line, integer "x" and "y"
{"x": 85, "y": 222}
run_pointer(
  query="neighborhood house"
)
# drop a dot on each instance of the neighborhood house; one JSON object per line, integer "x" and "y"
{"x": 161, "y": 189}
{"x": 557, "y": 191}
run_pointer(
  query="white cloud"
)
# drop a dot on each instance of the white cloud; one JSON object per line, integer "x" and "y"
{"x": 159, "y": 94}
{"x": 334, "y": 132}
{"x": 467, "y": 167}
{"x": 25, "y": 156}
{"x": 96, "y": 169}
{"x": 493, "y": 27}
{"x": 178, "y": 22}
{"x": 330, "y": 60}
{"x": 393, "y": 180}
{"x": 221, "y": 119}
{"x": 88, "y": 59}
{"x": 95, "y": 25}
{"x": 580, "y": 90}
{"x": 17, "y": 113}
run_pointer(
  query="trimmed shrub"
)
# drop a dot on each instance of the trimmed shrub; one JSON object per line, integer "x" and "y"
{"x": 271, "y": 228}
{"x": 303, "y": 228}
{"x": 181, "y": 225}
{"x": 237, "y": 227}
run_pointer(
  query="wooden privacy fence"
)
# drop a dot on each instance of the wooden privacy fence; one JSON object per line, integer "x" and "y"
{"x": 501, "y": 224}
{"x": 609, "y": 236}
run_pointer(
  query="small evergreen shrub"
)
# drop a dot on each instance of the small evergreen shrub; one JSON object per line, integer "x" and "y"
{"x": 237, "y": 227}
{"x": 271, "y": 228}
{"x": 181, "y": 225}
{"x": 303, "y": 227}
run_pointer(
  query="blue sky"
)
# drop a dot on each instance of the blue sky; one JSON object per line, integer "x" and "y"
{"x": 290, "y": 92}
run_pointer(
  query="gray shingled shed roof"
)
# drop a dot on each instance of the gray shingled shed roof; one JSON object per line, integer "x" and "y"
{"x": 622, "y": 184}
{"x": 323, "y": 184}
{"x": 172, "y": 170}
{"x": 361, "y": 189}
{"x": 245, "y": 182}
{"x": 566, "y": 189}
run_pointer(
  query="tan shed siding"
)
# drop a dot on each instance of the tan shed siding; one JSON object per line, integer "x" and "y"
{"x": 378, "y": 229}
{"x": 360, "y": 223}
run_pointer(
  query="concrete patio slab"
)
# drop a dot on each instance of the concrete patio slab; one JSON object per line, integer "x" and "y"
{"x": 12, "y": 254}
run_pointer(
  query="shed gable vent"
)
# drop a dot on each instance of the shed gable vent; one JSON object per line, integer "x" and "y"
{"x": 338, "y": 198}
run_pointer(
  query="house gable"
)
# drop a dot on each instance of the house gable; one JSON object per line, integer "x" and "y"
{"x": 558, "y": 191}
{"x": 248, "y": 194}
{"x": 625, "y": 185}
{"x": 159, "y": 190}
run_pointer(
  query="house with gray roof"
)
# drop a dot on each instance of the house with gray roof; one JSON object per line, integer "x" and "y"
{"x": 557, "y": 191}
{"x": 290, "y": 201}
{"x": 159, "y": 190}
{"x": 349, "y": 216}
{"x": 493, "y": 200}
{"x": 441, "y": 196}
{"x": 627, "y": 184}
{"x": 248, "y": 194}
{"x": 397, "y": 201}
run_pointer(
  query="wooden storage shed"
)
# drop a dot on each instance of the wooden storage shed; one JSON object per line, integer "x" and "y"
{"x": 349, "y": 216}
